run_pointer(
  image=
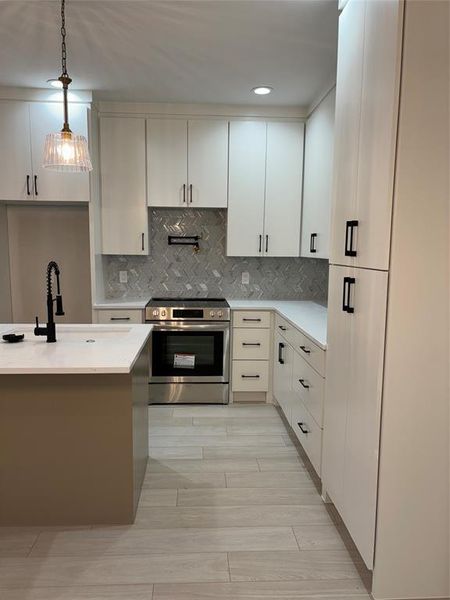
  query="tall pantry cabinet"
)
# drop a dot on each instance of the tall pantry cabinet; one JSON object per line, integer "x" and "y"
{"x": 379, "y": 103}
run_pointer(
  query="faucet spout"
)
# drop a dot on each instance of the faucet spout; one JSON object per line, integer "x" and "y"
{"x": 50, "y": 329}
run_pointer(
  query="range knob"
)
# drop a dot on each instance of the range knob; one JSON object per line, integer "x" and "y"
{"x": 163, "y": 313}
{"x": 212, "y": 314}
{"x": 220, "y": 314}
{"x": 155, "y": 313}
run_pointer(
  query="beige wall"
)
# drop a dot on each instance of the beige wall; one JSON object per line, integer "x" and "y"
{"x": 412, "y": 543}
{"x": 5, "y": 290}
{"x": 38, "y": 234}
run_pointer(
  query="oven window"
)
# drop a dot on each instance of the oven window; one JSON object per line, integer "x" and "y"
{"x": 182, "y": 353}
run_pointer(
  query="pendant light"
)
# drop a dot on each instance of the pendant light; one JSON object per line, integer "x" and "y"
{"x": 65, "y": 151}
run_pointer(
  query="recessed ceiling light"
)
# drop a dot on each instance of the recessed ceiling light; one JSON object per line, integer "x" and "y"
{"x": 55, "y": 83}
{"x": 262, "y": 90}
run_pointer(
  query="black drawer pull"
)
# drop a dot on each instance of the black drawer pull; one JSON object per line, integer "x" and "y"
{"x": 282, "y": 327}
{"x": 306, "y": 386}
{"x": 35, "y": 186}
{"x": 312, "y": 243}
{"x": 28, "y": 186}
{"x": 252, "y": 320}
{"x": 280, "y": 353}
{"x": 184, "y": 193}
{"x": 251, "y": 344}
{"x": 349, "y": 227}
{"x": 348, "y": 282}
{"x": 250, "y": 376}
{"x": 305, "y": 431}
{"x": 119, "y": 319}
{"x": 260, "y": 244}
{"x": 305, "y": 349}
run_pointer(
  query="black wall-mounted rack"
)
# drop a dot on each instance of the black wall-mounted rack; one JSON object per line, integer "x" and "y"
{"x": 184, "y": 240}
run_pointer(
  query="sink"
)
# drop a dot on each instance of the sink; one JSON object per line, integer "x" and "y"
{"x": 88, "y": 334}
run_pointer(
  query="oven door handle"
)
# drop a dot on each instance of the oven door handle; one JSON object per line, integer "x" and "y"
{"x": 180, "y": 326}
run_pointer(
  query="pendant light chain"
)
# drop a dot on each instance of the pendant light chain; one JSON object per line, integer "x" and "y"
{"x": 63, "y": 37}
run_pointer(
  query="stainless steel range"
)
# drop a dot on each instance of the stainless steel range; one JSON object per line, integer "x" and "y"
{"x": 189, "y": 350}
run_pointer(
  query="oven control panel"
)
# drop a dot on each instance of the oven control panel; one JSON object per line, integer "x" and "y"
{"x": 186, "y": 314}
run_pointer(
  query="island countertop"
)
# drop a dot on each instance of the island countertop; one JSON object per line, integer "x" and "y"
{"x": 78, "y": 349}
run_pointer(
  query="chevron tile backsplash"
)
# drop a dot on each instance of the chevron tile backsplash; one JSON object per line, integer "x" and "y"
{"x": 179, "y": 272}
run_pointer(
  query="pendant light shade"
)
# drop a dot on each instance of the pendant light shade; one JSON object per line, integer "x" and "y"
{"x": 65, "y": 151}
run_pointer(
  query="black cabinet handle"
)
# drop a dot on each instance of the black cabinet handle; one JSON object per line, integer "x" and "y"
{"x": 302, "y": 381}
{"x": 260, "y": 244}
{"x": 184, "y": 193}
{"x": 305, "y": 431}
{"x": 190, "y": 193}
{"x": 250, "y": 376}
{"x": 142, "y": 241}
{"x": 349, "y": 228}
{"x": 267, "y": 243}
{"x": 251, "y": 344}
{"x": 252, "y": 320}
{"x": 348, "y": 282}
{"x": 119, "y": 318}
{"x": 305, "y": 349}
{"x": 280, "y": 353}
{"x": 312, "y": 243}
{"x": 282, "y": 327}
{"x": 35, "y": 186}
{"x": 28, "y": 186}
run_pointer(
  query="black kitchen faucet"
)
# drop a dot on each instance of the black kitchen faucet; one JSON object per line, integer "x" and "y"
{"x": 50, "y": 329}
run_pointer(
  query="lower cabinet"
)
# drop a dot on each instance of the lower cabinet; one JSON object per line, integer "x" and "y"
{"x": 298, "y": 386}
{"x": 116, "y": 316}
{"x": 355, "y": 353}
{"x": 250, "y": 371}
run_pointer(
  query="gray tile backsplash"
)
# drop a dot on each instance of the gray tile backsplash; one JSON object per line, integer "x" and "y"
{"x": 178, "y": 271}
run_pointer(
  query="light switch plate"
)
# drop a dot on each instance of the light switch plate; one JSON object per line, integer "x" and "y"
{"x": 245, "y": 277}
{"x": 123, "y": 276}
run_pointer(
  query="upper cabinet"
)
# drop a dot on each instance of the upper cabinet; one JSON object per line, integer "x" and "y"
{"x": 187, "y": 163}
{"x": 24, "y": 126}
{"x": 367, "y": 93}
{"x": 265, "y": 188}
{"x": 123, "y": 186}
{"x": 319, "y": 140}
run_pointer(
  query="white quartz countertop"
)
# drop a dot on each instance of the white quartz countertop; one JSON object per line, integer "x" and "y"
{"x": 114, "y": 349}
{"x": 309, "y": 317}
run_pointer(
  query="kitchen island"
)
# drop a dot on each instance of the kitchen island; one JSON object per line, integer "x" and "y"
{"x": 73, "y": 425}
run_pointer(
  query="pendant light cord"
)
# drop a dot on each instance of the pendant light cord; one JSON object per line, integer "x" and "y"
{"x": 64, "y": 78}
{"x": 63, "y": 38}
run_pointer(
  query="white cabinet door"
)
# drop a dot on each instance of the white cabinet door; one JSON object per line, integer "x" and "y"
{"x": 336, "y": 388}
{"x": 378, "y": 131}
{"x": 15, "y": 152}
{"x": 318, "y": 172}
{"x": 368, "y": 298}
{"x": 167, "y": 162}
{"x": 283, "y": 204}
{"x": 247, "y": 176}
{"x": 346, "y": 129}
{"x": 123, "y": 197}
{"x": 355, "y": 350}
{"x": 47, "y": 117}
{"x": 282, "y": 374}
{"x": 207, "y": 163}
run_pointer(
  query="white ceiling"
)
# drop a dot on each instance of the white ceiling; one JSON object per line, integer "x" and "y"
{"x": 208, "y": 51}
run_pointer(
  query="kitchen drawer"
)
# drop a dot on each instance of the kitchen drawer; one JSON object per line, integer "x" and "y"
{"x": 119, "y": 316}
{"x": 251, "y": 344}
{"x": 311, "y": 436}
{"x": 250, "y": 376}
{"x": 251, "y": 318}
{"x": 314, "y": 355}
{"x": 309, "y": 385}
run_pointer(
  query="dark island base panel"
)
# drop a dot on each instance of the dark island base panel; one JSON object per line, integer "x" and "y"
{"x": 73, "y": 448}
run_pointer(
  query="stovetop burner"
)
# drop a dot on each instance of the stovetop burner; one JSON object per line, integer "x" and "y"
{"x": 189, "y": 302}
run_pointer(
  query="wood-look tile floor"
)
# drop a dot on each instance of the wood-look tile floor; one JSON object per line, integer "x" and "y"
{"x": 228, "y": 511}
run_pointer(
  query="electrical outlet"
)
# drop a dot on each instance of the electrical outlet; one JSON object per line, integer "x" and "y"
{"x": 245, "y": 278}
{"x": 123, "y": 276}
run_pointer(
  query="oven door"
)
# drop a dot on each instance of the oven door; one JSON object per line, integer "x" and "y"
{"x": 189, "y": 352}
